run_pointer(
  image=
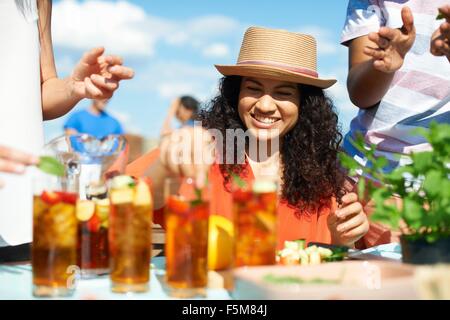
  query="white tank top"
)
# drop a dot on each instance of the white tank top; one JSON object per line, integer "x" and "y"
{"x": 20, "y": 112}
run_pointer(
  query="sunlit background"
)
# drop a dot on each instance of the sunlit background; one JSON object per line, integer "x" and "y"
{"x": 172, "y": 45}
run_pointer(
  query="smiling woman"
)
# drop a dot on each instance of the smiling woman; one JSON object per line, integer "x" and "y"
{"x": 276, "y": 97}
{"x": 303, "y": 120}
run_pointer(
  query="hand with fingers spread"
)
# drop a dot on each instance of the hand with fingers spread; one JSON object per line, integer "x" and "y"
{"x": 14, "y": 161}
{"x": 440, "y": 40}
{"x": 392, "y": 45}
{"x": 97, "y": 76}
{"x": 349, "y": 222}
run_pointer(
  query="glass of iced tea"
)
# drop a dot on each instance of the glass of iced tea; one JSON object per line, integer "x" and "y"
{"x": 130, "y": 234}
{"x": 93, "y": 220}
{"x": 54, "y": 236}
{"x": 186, "y": 247}
{"x": 255, "y": 217}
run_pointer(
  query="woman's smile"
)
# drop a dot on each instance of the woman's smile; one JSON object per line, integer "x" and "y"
{"x": 264, "y": 122}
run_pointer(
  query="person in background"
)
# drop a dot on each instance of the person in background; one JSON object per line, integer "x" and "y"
{"x": 184, "y": 109}
{"x": 399, "y": 78}
{"x": 31, "y": 92}
{"x": 94, "y": 121}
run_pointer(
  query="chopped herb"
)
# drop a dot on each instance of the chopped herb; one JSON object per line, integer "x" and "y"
{"x": 296, "y": 280}
{"x": 51, "y": 166}
{"x": 301, "y": 243}
{"x": 440, "y": 16}
{"x": 339, "y": 253}
{"x": 198, "y": 200}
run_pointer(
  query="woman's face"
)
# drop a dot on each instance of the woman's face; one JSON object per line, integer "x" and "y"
{"x": 184, "y": 114}
{"x": 268, "y": 108}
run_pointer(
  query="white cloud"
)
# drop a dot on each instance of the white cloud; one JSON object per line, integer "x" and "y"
{"x": 170, "y": 79}
{"x": 216, "y": 50}
{"x": 200, "y": 30}
{"x": 126, "y": 29}
{"x": 119, "y": 26}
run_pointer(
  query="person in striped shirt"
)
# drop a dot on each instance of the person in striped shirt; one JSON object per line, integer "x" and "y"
{"x": 399, "y": 78}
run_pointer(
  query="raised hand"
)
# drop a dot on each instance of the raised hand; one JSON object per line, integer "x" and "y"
{"x": 392, "y": 44}
{"x": 97, "y": 76}
{"x": 440, "y": 40}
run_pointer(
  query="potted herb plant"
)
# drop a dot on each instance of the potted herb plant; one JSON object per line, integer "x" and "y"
{"x": 423, "y": 185}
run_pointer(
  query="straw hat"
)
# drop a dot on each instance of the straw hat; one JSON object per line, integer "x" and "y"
{"x": 278, "y": 55}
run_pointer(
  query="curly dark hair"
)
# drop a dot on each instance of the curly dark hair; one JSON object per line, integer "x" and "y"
{"x": 311, "y": 175}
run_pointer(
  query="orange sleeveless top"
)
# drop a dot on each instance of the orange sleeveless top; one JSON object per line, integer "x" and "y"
{"x": 291, "y": 226}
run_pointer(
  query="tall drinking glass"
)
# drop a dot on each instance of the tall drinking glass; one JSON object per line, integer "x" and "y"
{"x": 255, "y": 216}
{"x": 130, "y": 234}
{"x": 54, "y": 235}
{"x": 186, "y": 217}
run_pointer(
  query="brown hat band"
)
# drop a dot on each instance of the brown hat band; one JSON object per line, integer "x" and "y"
{"x": 284, "y": 66}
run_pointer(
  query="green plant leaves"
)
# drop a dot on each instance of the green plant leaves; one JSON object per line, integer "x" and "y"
{"x": 423, "y": 184}
{"x": 51, "y": 166}
{"x": 432, "y": 184}
{"x": 422, "y": 161}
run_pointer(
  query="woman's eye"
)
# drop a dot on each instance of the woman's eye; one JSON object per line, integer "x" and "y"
{"x": 253, "y": 88}
{"x": 284, "y": 94}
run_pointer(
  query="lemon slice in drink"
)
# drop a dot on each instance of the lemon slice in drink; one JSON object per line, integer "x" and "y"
{"x": 142, "y": 195}
{"x": 121, "y": 196}
{"x": 85, "y": 209}
{"x": 220, "y": 245}
{"x": 122, "y": 182}
{"x": 102, "y": 207}
{"x": 264, "y": 186}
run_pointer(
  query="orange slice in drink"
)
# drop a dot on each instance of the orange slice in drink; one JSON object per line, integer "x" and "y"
{"x": 85, "y": 209}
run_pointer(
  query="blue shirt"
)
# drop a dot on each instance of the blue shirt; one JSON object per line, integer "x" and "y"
{"x": 189, "y": 123}
{"x": 98, "y": 126}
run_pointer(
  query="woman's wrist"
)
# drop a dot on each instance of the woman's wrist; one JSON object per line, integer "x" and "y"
{"x": 74, "y": 89}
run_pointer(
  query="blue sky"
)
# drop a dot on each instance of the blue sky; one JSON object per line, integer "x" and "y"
{"x": 172, "y": 45}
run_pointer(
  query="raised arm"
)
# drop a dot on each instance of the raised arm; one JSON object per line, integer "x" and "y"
{"x": 167, "y": 124}
{"x": 374, "y": 59}
{"x": 96, "y": 76}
